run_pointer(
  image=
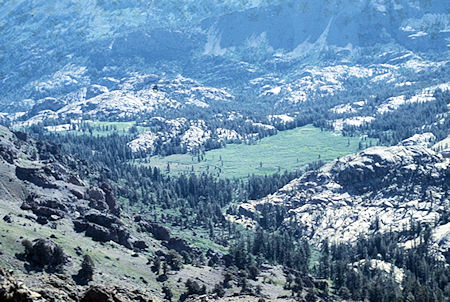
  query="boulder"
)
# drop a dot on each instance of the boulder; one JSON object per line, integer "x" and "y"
{"x": 75, "y": 180}
{"x": 110, "y": 199}
{"x": 124, "y": 238}
{"x": 100, "y": 293}
{"x": 98, "y": 232}
{"x": 7, "y": 219}
{"x": 26, "y": 206}
{"x": 98, "y": 205}
{"x": 103, "y": 227}
{"x": 35, "y": 176}
{"x": 103, "y": 234}
{"x": 42, "y": 220}
{"x": 45, "y": 208}
{"x": 97, "y": 294}
{"x": 79, "y": 225}
{"x": 179, "y": 245}
{"x": 77, "y": 193}
{"x": 158, "y": 231}
{"x": 140, "y": 245}
{"x": 47, "y": 212}
{"x": 95, "y": 194}
{"x": 102, "y": 219}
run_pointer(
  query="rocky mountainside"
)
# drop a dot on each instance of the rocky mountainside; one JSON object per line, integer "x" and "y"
{"x": 132, "y": 61}
{"x": 378, "y": 190}
{"x": 64, "y": 237}
{"x": 44, "y": 199}
{"x": 49, "y": 187}
{"x": 282, "y": 53}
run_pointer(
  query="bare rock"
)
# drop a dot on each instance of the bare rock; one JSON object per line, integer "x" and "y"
{"x": 95, "y": 194}
{"x": 100, "y": 293}
{"x": 344, "y": 198}
{"x": 7, "y": 219}
{"x": 245, "y": 212}
{"x": 110, "y": 199}
{"x": 158, "y": 231}
{"x": 35, "y": 176}
{"x": 95, "y": 90}
{"x": 13, "y": 291}
{"x": 140, "y": 245}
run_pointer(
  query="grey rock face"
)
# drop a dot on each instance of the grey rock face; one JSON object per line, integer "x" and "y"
{"x": 388, "y": 185}
{"x": 55, "y": 191}
{"x": 158, "y": 231}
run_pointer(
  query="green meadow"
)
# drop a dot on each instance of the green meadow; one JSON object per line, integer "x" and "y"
{"x": 288, "y": 150}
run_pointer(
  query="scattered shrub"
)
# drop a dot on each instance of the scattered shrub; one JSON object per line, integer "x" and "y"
{"x": 44, "y": 253}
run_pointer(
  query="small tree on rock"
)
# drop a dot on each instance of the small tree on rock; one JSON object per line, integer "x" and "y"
{"x": 86, "y": 273}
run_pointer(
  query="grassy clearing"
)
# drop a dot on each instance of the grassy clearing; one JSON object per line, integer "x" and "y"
{"x": 288, "y": 150}
{"x": 200, "y": 240}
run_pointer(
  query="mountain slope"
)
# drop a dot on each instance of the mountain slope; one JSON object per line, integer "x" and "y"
{"x": 114, "y": 39}
{"x": 53, "y": 215}
{"x": 378, "y": 190}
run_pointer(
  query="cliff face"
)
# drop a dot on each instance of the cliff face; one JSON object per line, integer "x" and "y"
{"x": 379, "y": 189}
